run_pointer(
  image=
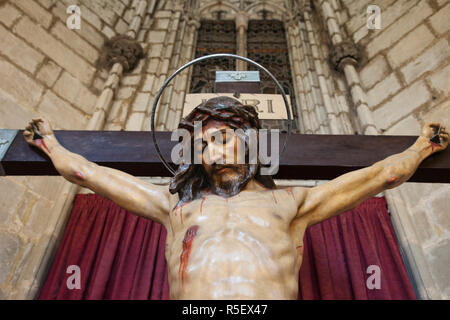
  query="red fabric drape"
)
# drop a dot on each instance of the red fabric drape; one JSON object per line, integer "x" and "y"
{"x": 338, "y": 251}
{"x": 121, "y": 256}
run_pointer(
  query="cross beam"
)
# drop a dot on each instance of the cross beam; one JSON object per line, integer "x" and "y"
{"x": 307, "y": 156}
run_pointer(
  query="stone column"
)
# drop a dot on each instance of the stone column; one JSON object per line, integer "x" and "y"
{"x": 304, "y": 81}
{"x": 291, "y": 26}
{"x": 241, "y": 21}
{"x": 333, "y": 123}
{"x": 123, "y": 53}
{"x": 323, "y": 108}
{"x": 183, "y": 82}
{"x": 170, "y": 108}
{"x": 345, "y": 57}
{"x": 170, "y": 63}
{"x": 316, "y": 107}
{"x": 114, "y": 56}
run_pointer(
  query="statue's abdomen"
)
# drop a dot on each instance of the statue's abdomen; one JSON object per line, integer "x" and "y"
{"x": 230, "y": 263}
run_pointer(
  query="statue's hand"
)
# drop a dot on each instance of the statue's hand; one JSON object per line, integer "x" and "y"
{"x": 437, "y": 136}
{"x": 39, "y": 133}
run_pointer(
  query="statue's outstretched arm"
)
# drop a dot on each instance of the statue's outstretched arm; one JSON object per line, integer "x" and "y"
{"x": 349, "y": 190}
{"x": 132, "y": 194}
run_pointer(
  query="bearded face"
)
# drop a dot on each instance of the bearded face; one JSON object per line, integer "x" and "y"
{"x": 221, "y": 158}
{"x": 218, "y": 165}
{"x": 228, "y": 180}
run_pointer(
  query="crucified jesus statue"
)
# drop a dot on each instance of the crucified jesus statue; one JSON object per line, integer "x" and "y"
{"x": 231, "y": 233}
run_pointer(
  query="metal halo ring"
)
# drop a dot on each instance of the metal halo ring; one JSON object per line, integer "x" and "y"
{"x": 212, "y": 56}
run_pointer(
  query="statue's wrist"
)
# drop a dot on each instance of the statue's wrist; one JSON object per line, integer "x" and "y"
{"x": 52, "y": 145}
{"x": 422, "y": 146}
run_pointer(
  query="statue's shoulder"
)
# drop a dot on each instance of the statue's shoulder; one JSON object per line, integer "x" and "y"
{"x": 298, "y": 194}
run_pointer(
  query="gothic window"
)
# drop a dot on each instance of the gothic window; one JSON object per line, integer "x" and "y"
{"x": 213, "y": 37}
{"x": 266, "y": 44}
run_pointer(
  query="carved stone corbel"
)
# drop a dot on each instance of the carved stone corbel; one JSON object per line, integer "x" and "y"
{"x": 194, "y": 22}
{"x": 343, "y": 53}
{"x": 121, "y": 49}
{"x": 191, "y": 19}
{"x": 292, "y": 19}
{"x": 306, "y": 6}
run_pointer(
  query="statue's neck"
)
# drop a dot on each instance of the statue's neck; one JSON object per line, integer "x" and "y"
{"x": 254, "y": 185}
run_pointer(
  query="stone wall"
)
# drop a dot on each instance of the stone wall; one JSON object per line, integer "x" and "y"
{"x": 47, "y": 70}
{"x": 406, "y": 74}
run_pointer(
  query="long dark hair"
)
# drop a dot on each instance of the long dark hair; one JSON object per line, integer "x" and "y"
{"x": 191, "y": 179}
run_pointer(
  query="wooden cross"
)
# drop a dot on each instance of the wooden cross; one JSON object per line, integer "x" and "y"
{"x": 308, "y": 156}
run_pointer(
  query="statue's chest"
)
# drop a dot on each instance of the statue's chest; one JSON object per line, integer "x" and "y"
{"x": 247, "y": 209}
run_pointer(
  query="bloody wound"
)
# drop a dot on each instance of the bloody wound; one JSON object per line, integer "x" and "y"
{"x": 186, "y": 251}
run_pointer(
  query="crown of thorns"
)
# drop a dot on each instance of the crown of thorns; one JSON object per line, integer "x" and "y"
{"x": 236, "y": 115}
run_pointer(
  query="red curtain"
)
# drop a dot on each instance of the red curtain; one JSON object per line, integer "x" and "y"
{"x": 338, "y": 252}
{"x": 121, "y": 256}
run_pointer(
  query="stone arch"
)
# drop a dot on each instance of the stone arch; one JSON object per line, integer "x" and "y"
{"x": 205, "y": 12}
{"x": 278, "y": 12}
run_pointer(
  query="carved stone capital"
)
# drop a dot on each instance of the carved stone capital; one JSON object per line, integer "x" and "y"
{"x": 121, "y": 49}
{"x": 292, "y": 19}
{"x": 191, "y": 19}
{"x": 241, "y": 20}
{"x": 306, "y": 6}
{"x": 343, "y": 53}
{"x": 194, "y": 23}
